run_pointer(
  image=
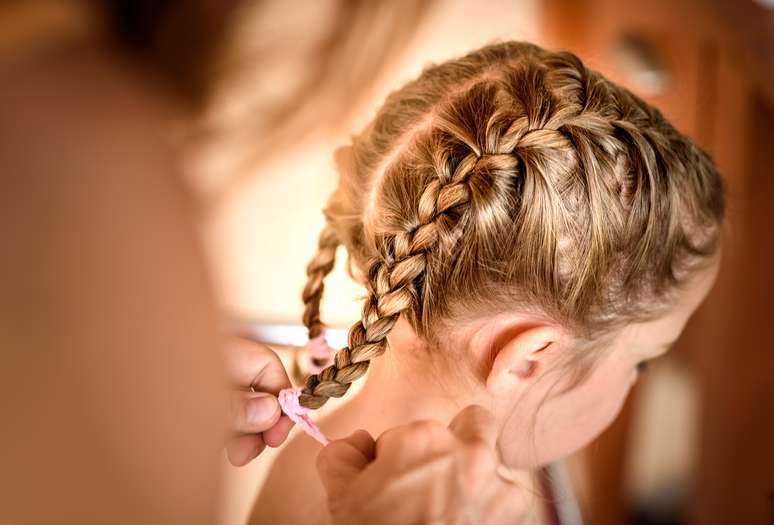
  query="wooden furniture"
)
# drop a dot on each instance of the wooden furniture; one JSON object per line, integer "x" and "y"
{"x": 709, "y": 66}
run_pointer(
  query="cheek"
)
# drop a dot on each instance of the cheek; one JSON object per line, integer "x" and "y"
{"x": 566, "y": 422}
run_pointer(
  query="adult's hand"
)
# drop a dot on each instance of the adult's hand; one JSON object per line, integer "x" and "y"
{"x": 257, "y": 376}
{"x": 422, "y": 472}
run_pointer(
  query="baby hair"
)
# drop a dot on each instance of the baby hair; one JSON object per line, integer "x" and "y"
{"x": 511, "y": 178}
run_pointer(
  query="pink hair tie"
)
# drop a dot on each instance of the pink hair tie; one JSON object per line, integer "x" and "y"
{"x": 288, "y": 400}
{"x": 316, "y": 355}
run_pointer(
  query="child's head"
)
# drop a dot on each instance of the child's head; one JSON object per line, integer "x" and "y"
{"x": 517, "y": 209}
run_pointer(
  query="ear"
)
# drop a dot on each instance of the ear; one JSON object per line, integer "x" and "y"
{"x": 520, "y": 356}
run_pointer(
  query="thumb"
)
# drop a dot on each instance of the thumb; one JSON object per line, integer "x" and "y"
{"x": 340, "y": 462}
{"x": 475, "y": 424}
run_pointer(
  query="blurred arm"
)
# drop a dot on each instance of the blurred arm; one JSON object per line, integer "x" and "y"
{"x": 110, "y": 390}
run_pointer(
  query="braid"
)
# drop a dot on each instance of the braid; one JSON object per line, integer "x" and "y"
{"x": 319, "y": 267}
{"x": 395, "y": 281}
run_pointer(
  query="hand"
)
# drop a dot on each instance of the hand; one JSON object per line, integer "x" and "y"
{"x": 256, "y": 418}
{"x": 422, "y": 472}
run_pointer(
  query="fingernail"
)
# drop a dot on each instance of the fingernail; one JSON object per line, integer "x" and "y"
{"x": 261, "y": 409}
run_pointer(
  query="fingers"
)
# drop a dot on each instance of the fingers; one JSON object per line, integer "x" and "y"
{"x": 342, "y": 460}
{"x": 256, "y": 415}
{"x": 421, "y": 472}
{"x": 251, "y": 364}
{"x": 507, "y": 505}
{"x": 363, "y": 443}
{"x": 476, "y": 430}
{"x": 277, "y": 434}
{"x": 253, "y": 412}
{"x": 416, "y": 495}
{"x": 241, "y": 450}
{"x": 415, "y": 442}
{"x": 475, "y": 424}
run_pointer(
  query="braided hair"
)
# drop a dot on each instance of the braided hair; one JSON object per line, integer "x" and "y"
{"x": 511, "y": 177}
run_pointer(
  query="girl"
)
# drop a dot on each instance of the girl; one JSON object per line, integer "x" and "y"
{"x": 528, "y": 233}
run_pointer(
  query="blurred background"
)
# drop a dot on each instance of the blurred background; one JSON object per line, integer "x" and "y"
{"x": 695, "y": 443}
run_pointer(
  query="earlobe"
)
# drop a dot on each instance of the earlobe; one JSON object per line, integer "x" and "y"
{"x": 519, "y": 357}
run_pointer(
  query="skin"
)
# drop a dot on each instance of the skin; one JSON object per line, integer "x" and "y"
{"x": 257, "y": 375}
{"x": 451, "y": 478}
{"x": 112, "y": 376}
{"x": 515, "y": 360}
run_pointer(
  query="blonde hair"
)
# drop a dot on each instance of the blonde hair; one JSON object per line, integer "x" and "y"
{"x": 513, "y": 177}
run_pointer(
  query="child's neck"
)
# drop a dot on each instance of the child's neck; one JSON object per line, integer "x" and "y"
{"x": 399, "y": 388}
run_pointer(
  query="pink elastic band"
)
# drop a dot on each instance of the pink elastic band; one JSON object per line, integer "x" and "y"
{"x": 288, "y": 400}
{"x": 316, "y": 349}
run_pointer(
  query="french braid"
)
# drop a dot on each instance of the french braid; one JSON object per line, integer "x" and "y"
{"x": 316, "y": 271}
{"x": 393, "y": 281}
{"x": 513, "y": 175}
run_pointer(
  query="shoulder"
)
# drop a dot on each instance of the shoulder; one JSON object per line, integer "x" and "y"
{"x": 90, "y": 186}
{"x": 104, "y": 267}
{"x": 89, "y": 162}
{"x": 85, "y": 109}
